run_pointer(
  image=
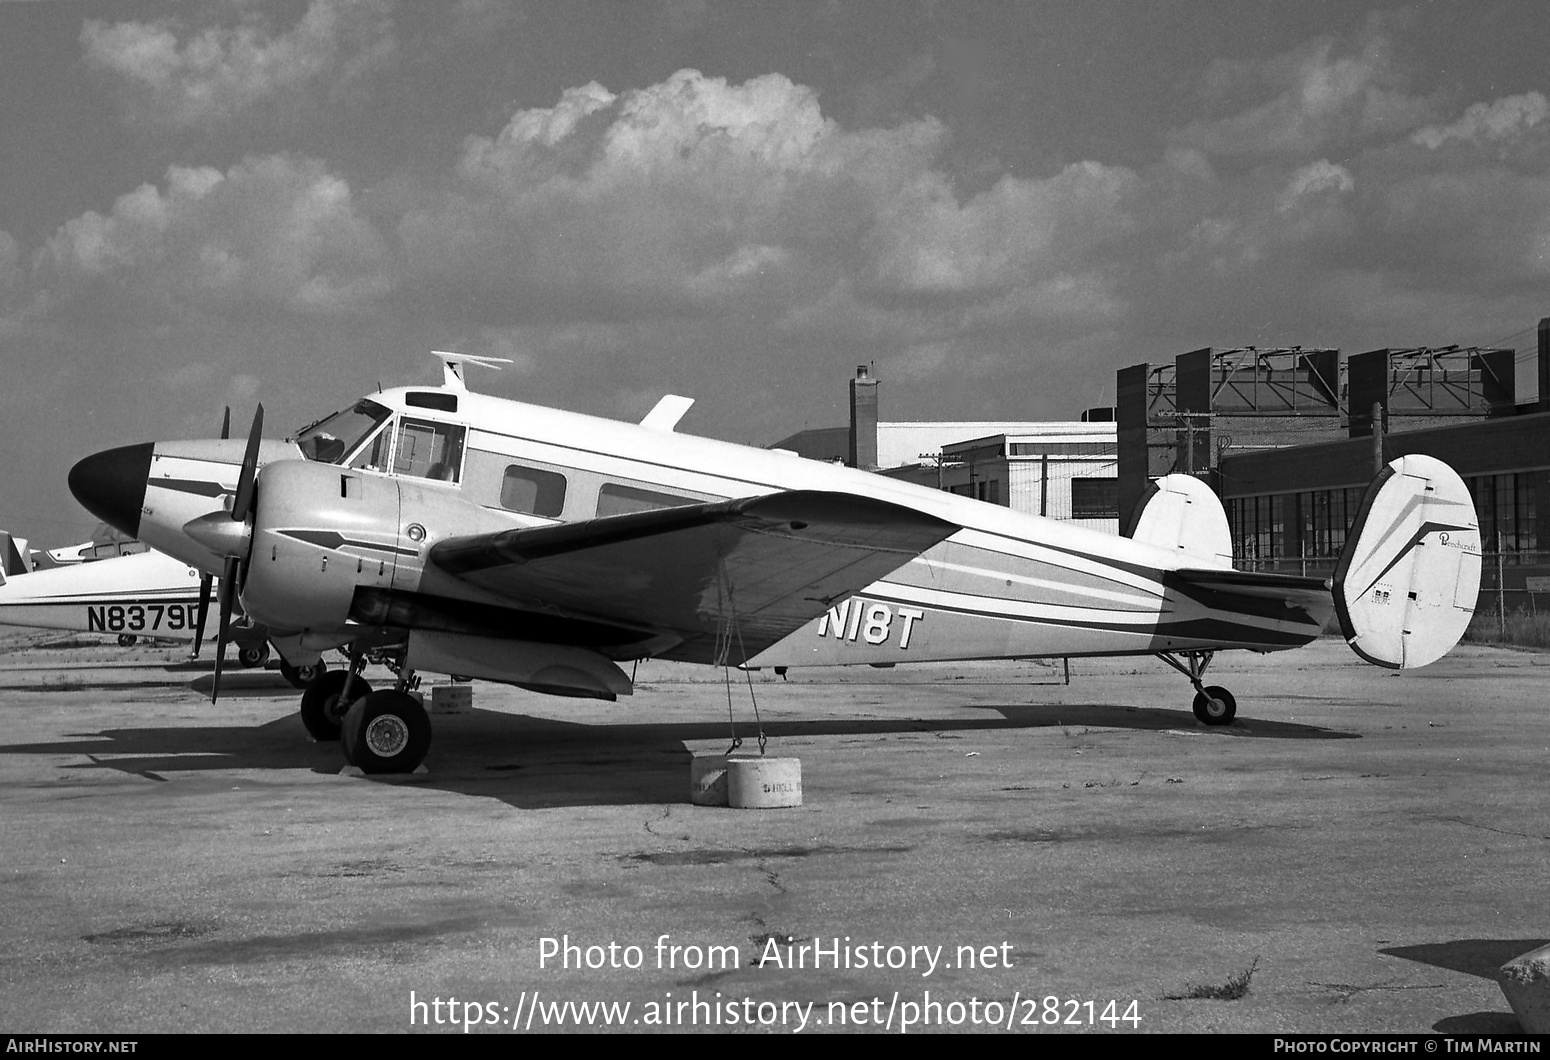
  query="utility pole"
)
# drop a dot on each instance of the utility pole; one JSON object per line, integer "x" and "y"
{"x": 1377, "y": 437}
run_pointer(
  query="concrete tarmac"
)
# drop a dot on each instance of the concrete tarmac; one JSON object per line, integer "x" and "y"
{"x": 1357, "y": 853}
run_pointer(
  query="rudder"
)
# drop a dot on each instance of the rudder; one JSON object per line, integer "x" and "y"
{"x": 1183, "y": 515}
{"x": 1406, "y": 583}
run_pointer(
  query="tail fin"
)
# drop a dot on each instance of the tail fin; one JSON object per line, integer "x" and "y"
{"x": 1183, "y": 515}
{"x": 1408, "y": 577}
{"x": 13, "y": 555}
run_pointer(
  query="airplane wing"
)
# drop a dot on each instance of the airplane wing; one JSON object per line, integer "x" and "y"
{"x": 751, "y": 571}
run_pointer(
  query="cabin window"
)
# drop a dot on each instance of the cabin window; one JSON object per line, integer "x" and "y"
{"x": 429, "y": 450}
{"x": 616, "y": 499}
{"x": 534, "y": 491}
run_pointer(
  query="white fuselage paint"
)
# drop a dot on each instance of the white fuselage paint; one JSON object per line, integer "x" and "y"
{"x": 146, "y": 595}
{"x": 1008, "y": 584}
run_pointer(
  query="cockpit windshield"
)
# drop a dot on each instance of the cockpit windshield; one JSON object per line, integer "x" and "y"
{"x": 334, "y": 437}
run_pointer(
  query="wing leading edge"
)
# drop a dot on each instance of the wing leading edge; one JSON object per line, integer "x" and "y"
{"x": 751, "y": 571}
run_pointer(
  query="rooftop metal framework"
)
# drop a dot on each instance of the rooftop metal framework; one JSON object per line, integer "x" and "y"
{"x": 1284, "y": 380}
{"x": 1315, "y": 381}
{"x": 1435, "y": 381}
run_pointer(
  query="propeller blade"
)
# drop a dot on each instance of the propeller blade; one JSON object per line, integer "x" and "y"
{"x": 227, "y": 596}
{"x": 243, "y": 502}
{"x": 226, "y": 424}
{"x": 204, "y": 613}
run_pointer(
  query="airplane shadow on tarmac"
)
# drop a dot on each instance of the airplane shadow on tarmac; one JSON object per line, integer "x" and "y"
{"x": 236, "y": 682}
{"x": 1480, "y": 957}
{"x": 535, "y": 763}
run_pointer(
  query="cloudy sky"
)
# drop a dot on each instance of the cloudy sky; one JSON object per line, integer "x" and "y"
{"x": 996, "y": 203}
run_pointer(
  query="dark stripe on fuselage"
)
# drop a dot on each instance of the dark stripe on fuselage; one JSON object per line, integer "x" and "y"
{"x": 197, "y": 487}
{"x": 1208, "y": 629}
{"x": 335, "y": 541}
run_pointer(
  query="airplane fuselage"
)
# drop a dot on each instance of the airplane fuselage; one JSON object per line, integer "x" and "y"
{"x": 343, "y": 545}
{"x": 144, "y": 595}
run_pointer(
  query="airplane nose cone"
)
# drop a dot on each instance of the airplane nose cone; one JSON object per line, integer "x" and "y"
{"x": 111, "y": 485}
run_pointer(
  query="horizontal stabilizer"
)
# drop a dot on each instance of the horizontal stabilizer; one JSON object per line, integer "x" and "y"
{"x": 1253, "y": 583}
{"x": 1407, "y": 580}
{"x": 1183, "y": 515}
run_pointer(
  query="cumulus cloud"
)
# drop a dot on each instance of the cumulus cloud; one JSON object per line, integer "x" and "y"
{"x": 1315, "y": 179}
{"x": 1505, "y": 119}
{"x": 178, "y": 76}
{"x": 1323, "y": 173}
{"x": 695, "y": 196}
{"x": 1017, "y": 231}
{"x": 271, "y": 231}
{"x": 1305, "y": 100}
{"x": 636, "y": 234}
{"x": 10, "y": 266}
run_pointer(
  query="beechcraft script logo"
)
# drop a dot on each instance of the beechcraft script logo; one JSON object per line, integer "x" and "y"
{"x": 869, "y": 621}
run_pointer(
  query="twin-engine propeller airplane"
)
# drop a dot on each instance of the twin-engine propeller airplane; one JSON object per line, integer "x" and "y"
{"x": 451, "y": 532}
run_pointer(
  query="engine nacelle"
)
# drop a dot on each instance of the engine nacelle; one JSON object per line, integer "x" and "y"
{"x": 319, "y": 532}
{"x": 554, "y": 669}
{"x": 334, "y": 548}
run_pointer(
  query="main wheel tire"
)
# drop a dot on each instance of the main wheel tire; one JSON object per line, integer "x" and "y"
{"x": 127, "y": 640}
{"x": 322, "y": 712}
{"x": 1215, "y": 706}
{"x": 302, "y": 676}
{"x": 386, "y": 732}
{"x": 252, "y": 655}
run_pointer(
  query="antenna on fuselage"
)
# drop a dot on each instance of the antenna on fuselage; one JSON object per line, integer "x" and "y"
{"x": 452, "y": 366}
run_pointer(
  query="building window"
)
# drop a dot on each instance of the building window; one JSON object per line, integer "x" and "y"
{"x": 1095, "y": 498}
{"x": 534, "y": 491}
{"x": 1326, "y": 519}
{"x": 1508, "y": 510}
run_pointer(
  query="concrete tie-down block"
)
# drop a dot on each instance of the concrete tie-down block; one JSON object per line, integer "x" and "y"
{"x": 1526, "y": 982}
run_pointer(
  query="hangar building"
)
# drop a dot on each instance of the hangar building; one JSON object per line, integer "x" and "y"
{"x": 1064, "y": 470}
{"x": 1287, "y": 438}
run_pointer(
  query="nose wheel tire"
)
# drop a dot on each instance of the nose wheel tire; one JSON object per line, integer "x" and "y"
{"x": 254, "y": 655}
{"x": 386, "y": 732}
{"x": 303, "y": 676}
{"x": 322, "y": 711}
{"x": 1215, "y": 706}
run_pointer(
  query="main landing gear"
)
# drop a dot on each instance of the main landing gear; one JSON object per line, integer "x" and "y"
{"x": 386, "y": 731}
{"x": 1214, "y": 705}
{"x": 327, "y": 700}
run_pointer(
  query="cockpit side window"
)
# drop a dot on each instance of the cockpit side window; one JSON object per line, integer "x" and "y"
{"x": 373, "y": 456}
{"x": 334, "y": 437}
{"x": 426, "y": 449}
